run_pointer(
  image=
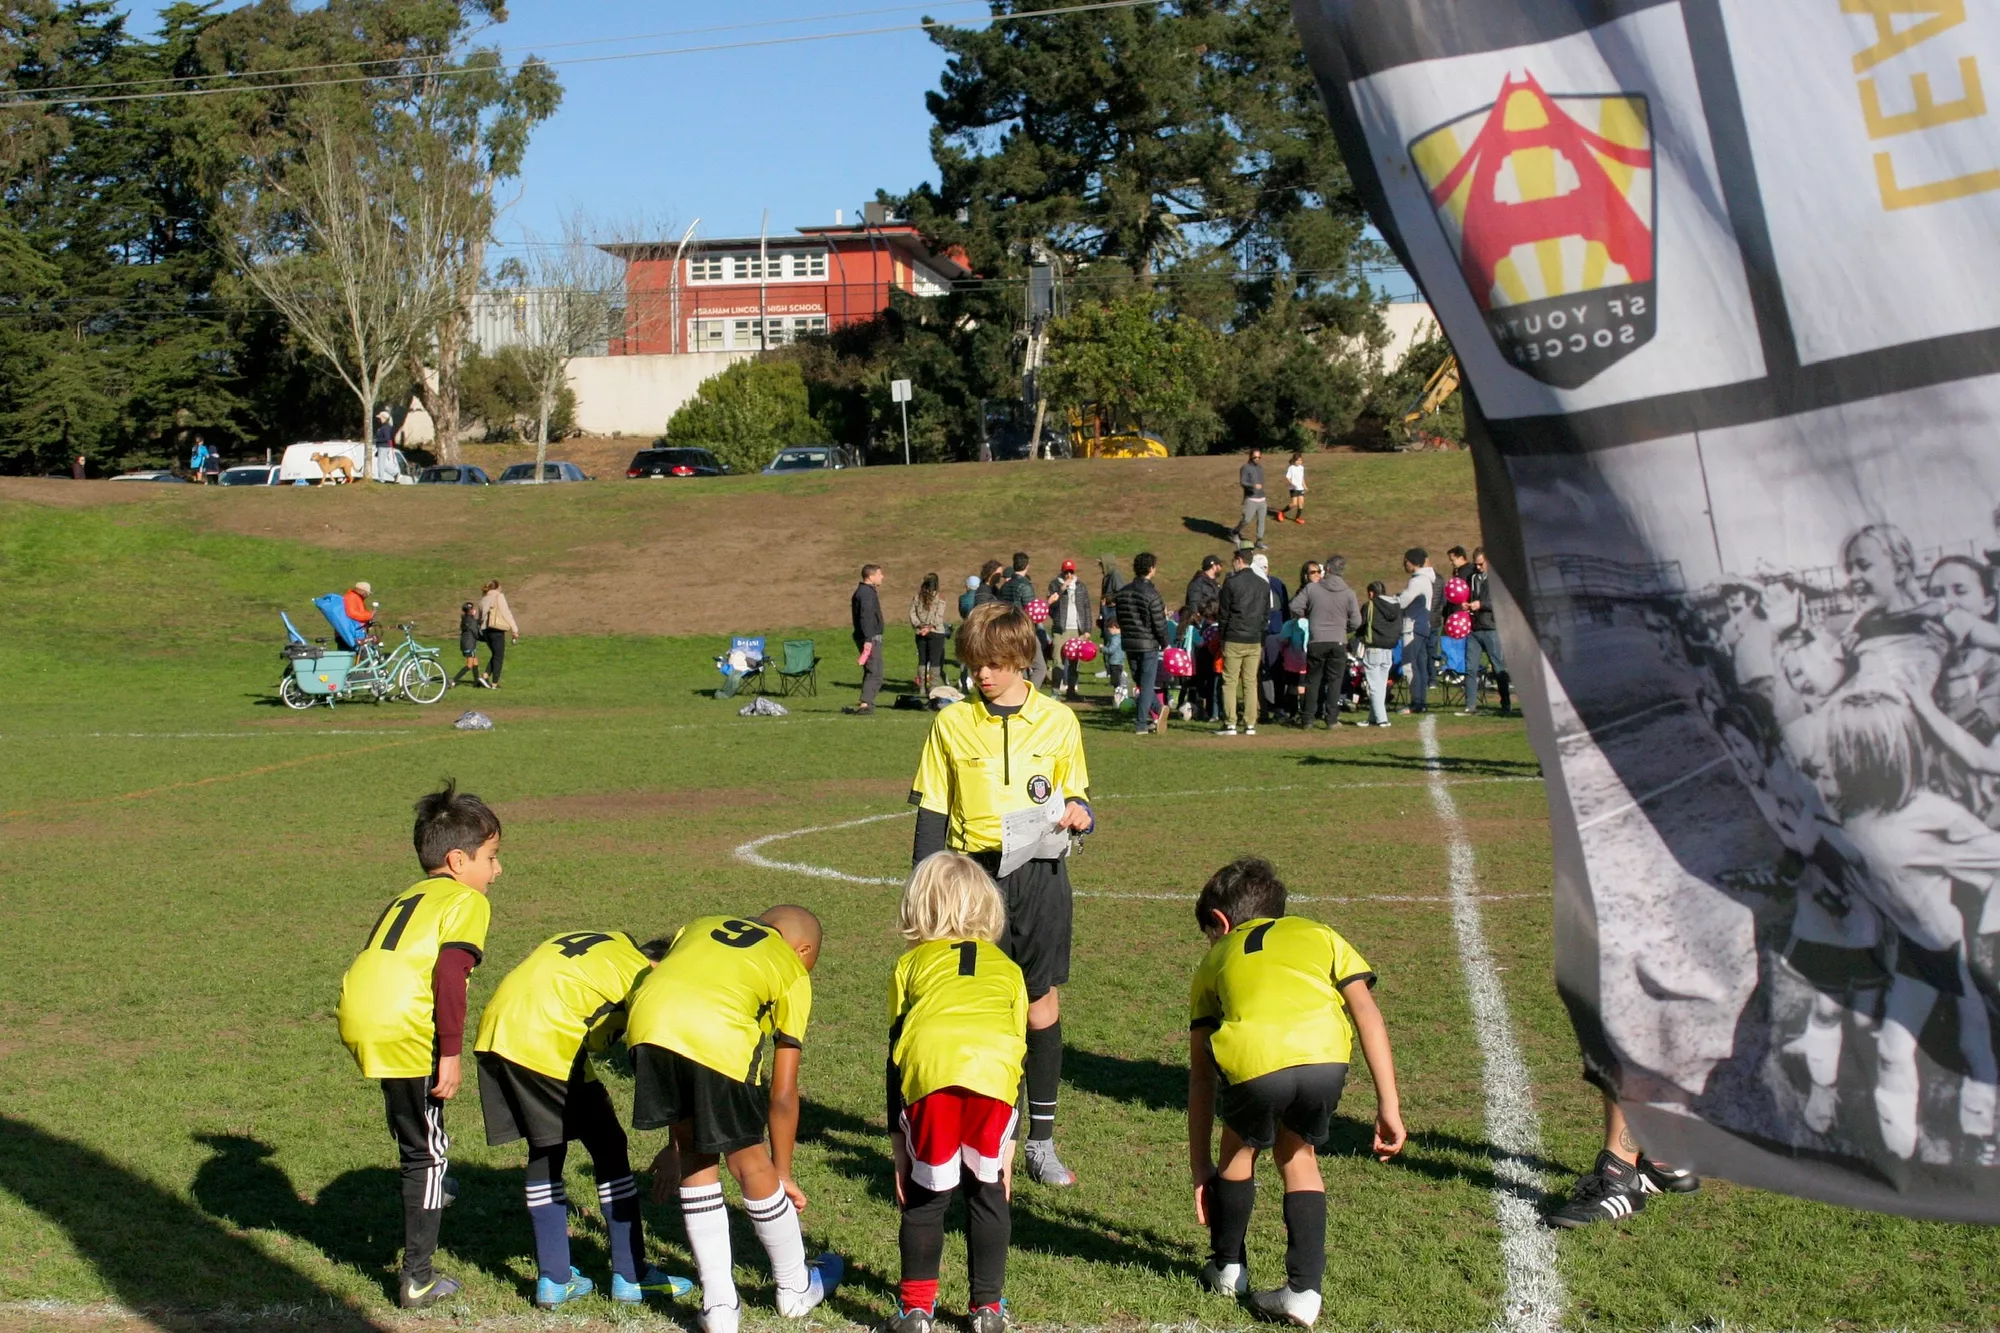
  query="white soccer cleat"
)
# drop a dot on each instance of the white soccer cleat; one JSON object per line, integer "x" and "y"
{"x": 1226, "y": 1279}
{"x": 1299, "y": 1308}
{"x": 822, "y": 1276}
{"x": 721, "y": 1319}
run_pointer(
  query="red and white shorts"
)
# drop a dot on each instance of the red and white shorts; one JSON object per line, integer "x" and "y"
{"x": 953, "y": 1126}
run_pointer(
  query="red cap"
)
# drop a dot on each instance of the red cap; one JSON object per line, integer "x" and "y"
{"x": 1069, "y": 567}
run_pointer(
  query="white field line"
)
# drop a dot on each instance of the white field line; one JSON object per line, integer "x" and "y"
{"x": 1534, "y": 1293}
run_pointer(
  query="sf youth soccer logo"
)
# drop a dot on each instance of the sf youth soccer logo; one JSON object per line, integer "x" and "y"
{"x": 1040, "y": 789}
{"x": 1548, "y": 204}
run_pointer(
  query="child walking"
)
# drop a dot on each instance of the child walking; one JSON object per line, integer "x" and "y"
{"x": 565, "y": 1002}
{"x": 715, "y": 1034}
{"x": 468, "y": 644}
{"x": 958, "y": 1024}
{"x": 1295, "y": 485}
{"x": 1271, "y": 1011}
{"x": 402, "y": 1011}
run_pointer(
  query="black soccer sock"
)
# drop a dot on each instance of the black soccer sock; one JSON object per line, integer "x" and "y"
{"x": 1044, "y": 1070}
{"x": 548, "y": 1211}
{"x": 921, "y": 1240}
{"x": 1500, "y": 678}
{"x": 1305, "y": 1239}
{"x": 1229, "y": 1204}
{"x": 420, "y": 1241}
{"x": 989, "y": 1228}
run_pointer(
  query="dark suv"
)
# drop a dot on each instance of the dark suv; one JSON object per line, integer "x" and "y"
{"x": 675, "y": 462}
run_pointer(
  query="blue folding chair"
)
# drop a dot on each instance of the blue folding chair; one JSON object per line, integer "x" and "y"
{"x": 292, "y": 634}
{"x": 1454, "y": 669}
{"x": 753, "y": 655}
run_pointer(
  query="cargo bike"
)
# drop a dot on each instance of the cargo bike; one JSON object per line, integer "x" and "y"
{"x": 361, "y": 667}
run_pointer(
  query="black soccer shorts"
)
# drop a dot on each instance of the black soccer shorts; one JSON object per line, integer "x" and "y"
{"x": 523, "y": 1103}
{"x": 1302, "y": 1099}
{"x": 1039, "y": 913}
{"x": 668, "y": 1087}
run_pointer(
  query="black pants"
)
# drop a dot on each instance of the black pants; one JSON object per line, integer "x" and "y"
{"x": 989, "y": 1227}
{"x": 417, "y": 1122}
{"x": 930, "y": 651}
{"x": 496, "y": 644}
{"x": 1326, "y": 671}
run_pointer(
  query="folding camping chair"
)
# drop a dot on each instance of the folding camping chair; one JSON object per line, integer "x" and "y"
{"x": 752, "y": 650}
{"x": 1454, "y": 674}
{"x": 798, "y": 670}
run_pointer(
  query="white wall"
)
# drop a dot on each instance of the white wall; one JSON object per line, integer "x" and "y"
{"x": 1410, "y": 322}
{"x": 634, "y": 395}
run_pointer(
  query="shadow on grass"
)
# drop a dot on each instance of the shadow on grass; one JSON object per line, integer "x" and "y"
{"x": 1042, "y": 1221}
{"x": 1450, "y": 766}
{"x": 1208, "y": 527}
{"x": 157, "y": 1255}
{"x": 1153, "y": 1084}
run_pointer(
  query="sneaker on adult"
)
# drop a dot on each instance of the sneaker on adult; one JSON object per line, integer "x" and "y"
{"x": 1285, "y": 1306}
{"x": 1610, "y": 1193}
{"x": 1044, "y": 1167}
{"x": 1249, "y": 731}
{"x": 413, "y": 1297}
{"x": 859, "y": 710}
{"x": 1659, "y": 1178}
{"x": 1226, "y": 731}
{"x": 1226, "y": 1279}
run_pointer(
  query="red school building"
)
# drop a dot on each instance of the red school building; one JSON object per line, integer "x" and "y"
{"x": 749, "y": 293}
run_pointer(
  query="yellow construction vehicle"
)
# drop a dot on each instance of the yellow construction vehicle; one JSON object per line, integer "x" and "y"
{"x": 1089, "y": 438}
{"x": 1442, "y": 384}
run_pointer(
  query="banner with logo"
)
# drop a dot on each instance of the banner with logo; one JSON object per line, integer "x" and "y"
{"x": 1724, "y": 280}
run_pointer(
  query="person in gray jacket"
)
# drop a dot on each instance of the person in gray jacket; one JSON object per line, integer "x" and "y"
{"x": 1332, "y": 613}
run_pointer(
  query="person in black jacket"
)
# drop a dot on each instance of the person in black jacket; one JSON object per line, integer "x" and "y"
{"x": 866, "y": 609}
{"x": 1382, "y": 628}
{"x": 1205, "y": 587}
{"x": 1142, "y": 625}
{"x": 1485, "y": 641}
{"x": 1245, "y": 610}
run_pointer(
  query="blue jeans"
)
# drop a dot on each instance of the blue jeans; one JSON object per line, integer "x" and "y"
{"x": 1417, "y": 652}
{"x": 1484, "y": 643}
{"x": 1145, "y": 673}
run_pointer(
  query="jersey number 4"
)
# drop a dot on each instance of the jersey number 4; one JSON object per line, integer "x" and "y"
{"x": 580, "y": 943}
{"x": 738, "y": 934}
{"x": 404, "y": 909}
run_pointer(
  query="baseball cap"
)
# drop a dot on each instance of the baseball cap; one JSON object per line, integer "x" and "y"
{"x": 1069, "y": 567}
{"x": 1211, "y": 562}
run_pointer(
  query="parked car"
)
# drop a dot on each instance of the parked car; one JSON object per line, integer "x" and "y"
{"x": 452, "y": 474}
{"x": 151, "y": 476}
{"x": 523, "y": 474}
{"x": 261, "y": 474}
{"x": 678, "y": 461}
{"x": 814, "y": 458}
{"x": 339, "y": 461}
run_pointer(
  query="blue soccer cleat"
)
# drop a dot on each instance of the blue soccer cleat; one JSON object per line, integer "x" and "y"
{"x": 548, "y": 1295}
{"x": 654, "y": 1279}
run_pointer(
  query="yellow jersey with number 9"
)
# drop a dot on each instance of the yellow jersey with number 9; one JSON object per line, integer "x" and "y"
{"x": 387, "y": 1010}
{"x": 1270, "y": 992}
{"x": 725, "y": 986}
{"x": 569, "y": 993}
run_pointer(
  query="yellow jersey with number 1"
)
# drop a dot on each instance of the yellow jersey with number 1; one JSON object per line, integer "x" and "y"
{"x": 568, "y": 994}
{"x": 726, "y": 988}
{"x": 1269, "y": 991}
{"x": 958, "y": 1014}
{"x": 387, "y": 1010}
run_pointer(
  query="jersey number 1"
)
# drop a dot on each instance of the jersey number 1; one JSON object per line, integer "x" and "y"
{"x": 404, "y": 910}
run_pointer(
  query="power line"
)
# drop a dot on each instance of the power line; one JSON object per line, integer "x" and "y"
{"x": 402, "y": 60}
{"x": 457, "y": 72}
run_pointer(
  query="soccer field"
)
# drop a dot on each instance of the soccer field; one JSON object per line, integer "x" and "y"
{"x": 186, "y": 869}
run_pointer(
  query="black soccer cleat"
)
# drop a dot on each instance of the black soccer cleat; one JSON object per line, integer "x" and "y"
{"x": 1659, "y": 1178}
{"x": 1610, "y": 1193}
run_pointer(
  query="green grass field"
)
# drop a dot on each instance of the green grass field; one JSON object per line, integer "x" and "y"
{"x": 186, "y": 869}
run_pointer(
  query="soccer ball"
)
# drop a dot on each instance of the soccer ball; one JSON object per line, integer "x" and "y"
{"x": 1458, "y": 625}
{"x": 1457, "y": 591}
{"x": 1038, "y": 611}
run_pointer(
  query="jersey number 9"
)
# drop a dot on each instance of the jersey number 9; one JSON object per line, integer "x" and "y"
{"x": 738, "y": 934}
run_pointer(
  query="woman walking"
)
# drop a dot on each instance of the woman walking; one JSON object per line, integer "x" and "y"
{"x": 927, "y": 618}
{"x": 497, "y": 621}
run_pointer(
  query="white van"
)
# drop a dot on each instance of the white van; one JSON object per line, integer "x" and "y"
{"x": 299, "y": 464}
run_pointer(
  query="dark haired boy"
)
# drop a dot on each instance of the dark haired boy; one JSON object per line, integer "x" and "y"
{"x": 991, "y": 769}
{"x": 715, "y": 1032}
{"x": 402, "y": 1010}
{"x": 566, "y": 1001}
{"x": 1272, "y": 1012}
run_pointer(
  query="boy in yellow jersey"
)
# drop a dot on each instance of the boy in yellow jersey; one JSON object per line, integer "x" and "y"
{"x": 1271, "y": 1011}
{"x": 402, "y": 1010}
{"x": 990, "y": 764}
{"x": 958, "y": 1017}
{"x": 564, "y": 1003}
{"x": 715, "y": 1033}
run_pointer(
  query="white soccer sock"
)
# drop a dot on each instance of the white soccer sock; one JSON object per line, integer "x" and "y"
{"x": 777, "y": 1224}
{"x": 707, "y": 1220}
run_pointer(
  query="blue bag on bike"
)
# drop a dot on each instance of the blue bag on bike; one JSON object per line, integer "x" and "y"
{"x": 346, "y": 628}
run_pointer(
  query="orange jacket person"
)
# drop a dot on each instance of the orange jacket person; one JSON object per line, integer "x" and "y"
{"x": 358, "y": 610}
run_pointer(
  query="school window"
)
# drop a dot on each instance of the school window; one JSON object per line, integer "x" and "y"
{"x": 745, "y": 334}
{"x": 707, "y": 335}
{"x": 704, "y": 268}
{"x": 802, "y": 264}
{"x": 804, "y": 326}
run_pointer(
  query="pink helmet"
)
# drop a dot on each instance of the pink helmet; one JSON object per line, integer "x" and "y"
{"x": 1178, "y": 662}
{"x": 1038, "y": 611}
{"x": 1457, "y": 591}
{"x": 1458, "y": 625}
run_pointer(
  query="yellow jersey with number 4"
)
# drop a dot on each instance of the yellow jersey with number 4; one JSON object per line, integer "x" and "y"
{"x": 725, "y": 988}
{"x": 568, "y": 994}
{"x": 958, "y": 1013}
{"x": 387, "y": 1010}
{"x": 1269, "y": 991}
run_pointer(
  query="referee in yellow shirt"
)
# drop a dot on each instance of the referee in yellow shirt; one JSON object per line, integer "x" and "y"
{"x": 1005, "y": 750}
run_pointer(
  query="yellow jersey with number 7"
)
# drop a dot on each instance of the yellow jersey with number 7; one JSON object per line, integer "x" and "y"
{"x": 387, "y": 1010}
{"x": 1269, "y": 994}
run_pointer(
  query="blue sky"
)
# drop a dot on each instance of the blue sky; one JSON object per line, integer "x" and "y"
{"x": 722, "y": 135}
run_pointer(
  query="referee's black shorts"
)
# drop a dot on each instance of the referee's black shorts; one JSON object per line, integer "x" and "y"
{"x": 1301, "y": 1099}
{"x": 725, "y": 1113}
{"x": 523, "y": 1103}
{"x": 1039, "y": 910}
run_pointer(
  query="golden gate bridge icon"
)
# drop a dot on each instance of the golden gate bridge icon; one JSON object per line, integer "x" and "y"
{"x": 1547, "y": 201}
